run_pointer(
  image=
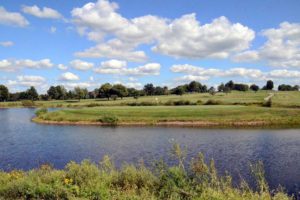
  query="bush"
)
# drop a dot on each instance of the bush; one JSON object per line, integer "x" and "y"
{"x": 144, "y": 103}
{"x": 111, "y": 120}
{"x": 93, "y": 105}
{"x": 41, "y": 111}
{"x": 212, "y": 102}
{"x": 199, "y": 102}
{"x": 182, "y": 103}
{"x": 28, "y": 103}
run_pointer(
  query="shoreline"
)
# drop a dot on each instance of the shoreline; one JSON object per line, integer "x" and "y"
{"x": 183, "y": 124}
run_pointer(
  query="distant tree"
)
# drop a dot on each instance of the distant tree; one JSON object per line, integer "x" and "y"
{"x": 240, "y": 87}
{"x": 61, "y": 92}
{"x": 221, "y": 87}
{"x": 179, "y": 90}
{"x": 80, "y": 93}
{"x": 166, "y": 90}
{"x": 227, "y": 90}
{"x": 105, "y": 90}
{"x": 203, "y": 88}
{"x": 4, "y": 93}
{"x": 96, "y": 93}
{"x": 284, "y": 87}
{"x": 71, "y": 94}
{"x": 254, "y": 87}
{"x": 212, "y": 91}
{"x": 230, "y": 85}
{"x": 296, "y": 88}
{"x": 52, "y": 92}
{"x": 14, "y": 96}
{"x": 269, "y": 85}
{"x": 149, "y": 89}
{"x": 119, "y": 90}
{"x": 132, "y": 92}
{"x": 32, "y": 94}
{"x": 44, "y": 97}
{"x": 159, "y": 90}
{"x": 194, "y": 86}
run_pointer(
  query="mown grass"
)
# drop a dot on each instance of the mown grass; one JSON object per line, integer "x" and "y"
{"x": 87, "y": 180}
{"x": 281, "y": 99}
{"x": 226, "y": 115}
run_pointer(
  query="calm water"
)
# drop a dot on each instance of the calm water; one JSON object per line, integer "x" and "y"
{"x": 25, "y": 145}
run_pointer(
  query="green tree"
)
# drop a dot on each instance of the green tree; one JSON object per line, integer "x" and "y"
{"x": 119, "y": 90}
{"x": 254, "y": 87}
{"x": 269, "y": 85}
{"x": 105, "y": 90}
{"x": 32, "y": 94}
{"x": 194, "y": 86}
{"x": 149, "y": 89}
{"x": 179, "y": 90}
{"x": 80, "y": 93}
{"x": 4, "y": 93}
{"x": 212, "y": 91}
{"x": 230, "y": 85}
{"x": 52, "y": 92}
{"x": 221, "y": 87}
{"x": 61, "y": 92}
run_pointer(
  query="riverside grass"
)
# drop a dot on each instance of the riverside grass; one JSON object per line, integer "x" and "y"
{"x": 194, "y": 180}
{"x": 280, "y": 99}
{"x": 204, "y": 115}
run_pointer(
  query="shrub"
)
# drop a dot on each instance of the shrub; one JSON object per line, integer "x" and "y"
{"x": 28, "y": 103}
{"x": 111, "y": 120}
{"x": 41, "y": 111}
{"x": 144, "y": 103}
{"x": 169, "y": 103}
{"x": 212, "y": 102}
{"x": 93, "y": 105}
{"x": 182, "y": 102}
{"x": 199, "y": 102}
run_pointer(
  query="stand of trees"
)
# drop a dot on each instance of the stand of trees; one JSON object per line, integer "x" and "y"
{"x": 109, "y": 91}
{"x": 284, "y": 87}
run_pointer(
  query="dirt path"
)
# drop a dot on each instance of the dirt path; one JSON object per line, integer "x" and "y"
{"x": 269, "y": 97}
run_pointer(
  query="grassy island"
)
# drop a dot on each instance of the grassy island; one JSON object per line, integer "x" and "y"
{"x": 202, "y": 116}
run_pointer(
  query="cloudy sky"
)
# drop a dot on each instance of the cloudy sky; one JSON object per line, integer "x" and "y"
{"x": 87, "y": 43}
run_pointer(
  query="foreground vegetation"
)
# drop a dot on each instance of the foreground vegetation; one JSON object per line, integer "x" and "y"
{"x": 87, "y": 180}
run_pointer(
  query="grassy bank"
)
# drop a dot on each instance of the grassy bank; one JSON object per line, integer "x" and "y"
{"x": 87, "y": 180}
{"x": 280, "y": 99}
{"x": 205, "y": 115}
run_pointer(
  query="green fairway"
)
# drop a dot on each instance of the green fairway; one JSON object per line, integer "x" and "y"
{"x": 280, "y": 99}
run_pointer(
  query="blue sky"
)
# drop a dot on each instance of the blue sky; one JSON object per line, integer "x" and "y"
{"x": 88, "y": 43}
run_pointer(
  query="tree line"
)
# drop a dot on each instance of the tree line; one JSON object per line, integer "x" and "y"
{"x": 115, "y": 91}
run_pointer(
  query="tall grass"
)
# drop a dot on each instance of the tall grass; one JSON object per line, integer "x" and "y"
{"x": 103, "y": 180}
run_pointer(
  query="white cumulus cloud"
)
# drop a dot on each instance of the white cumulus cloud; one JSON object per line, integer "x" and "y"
{"x": 68, "y": 76}
{"x": 12, "y": 18}
{"x": 13, "y": 65}
{"x": 120, "y": 67}
{"x": 182, "y": 37}
{"x": 44, "y": 12}
{"x": 81, "y": 65}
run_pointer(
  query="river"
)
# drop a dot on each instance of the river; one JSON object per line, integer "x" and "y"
{"x": 26, "y": 145}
